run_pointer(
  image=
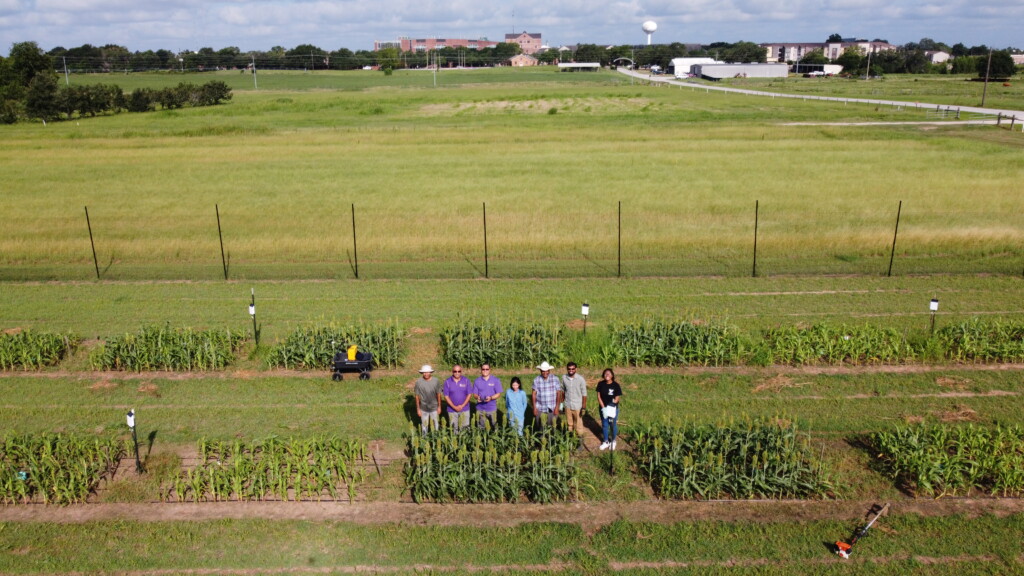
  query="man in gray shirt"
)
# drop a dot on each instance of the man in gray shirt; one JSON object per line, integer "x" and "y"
{"x": 575, "y": 389}
{"x": 427, "y": 392}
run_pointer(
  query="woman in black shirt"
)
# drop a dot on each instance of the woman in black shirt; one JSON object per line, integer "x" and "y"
{"x": 609, "y": 393}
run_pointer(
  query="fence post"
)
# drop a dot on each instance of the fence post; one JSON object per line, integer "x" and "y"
{"x": 757, "y": 206}
{"x": 619, "y": 274}
{"x": 92, "y": 243}
{"x": 355, "y": 253}
{"x": 487, "y": 272}
{"x": 220, "y": 234}
{"x": 893, "y": 253}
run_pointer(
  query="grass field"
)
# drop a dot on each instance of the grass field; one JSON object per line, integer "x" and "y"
{"x": 551, "y": 155}
{"x": 419, "y": 164}
{"x": 948, "y": 90}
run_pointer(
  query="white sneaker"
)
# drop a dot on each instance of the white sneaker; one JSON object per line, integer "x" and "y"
{"x": 604, "y": 446}
{"x": 613, "y": 444}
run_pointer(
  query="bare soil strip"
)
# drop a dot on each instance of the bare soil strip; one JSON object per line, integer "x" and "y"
{"x": 591, "y": 516}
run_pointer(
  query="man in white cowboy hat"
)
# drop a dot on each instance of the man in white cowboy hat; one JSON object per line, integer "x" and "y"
{"x": 547, "y": 395}
{"x": 427, "y": 392}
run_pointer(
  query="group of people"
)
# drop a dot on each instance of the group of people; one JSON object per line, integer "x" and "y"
{"x": 550, "y": 397}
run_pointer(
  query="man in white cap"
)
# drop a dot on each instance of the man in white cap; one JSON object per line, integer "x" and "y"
{"x": 427, "y": 391}
{"x": 547, "y": 395}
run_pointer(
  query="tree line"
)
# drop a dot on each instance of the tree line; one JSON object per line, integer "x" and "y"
{"x": 29, "y": 89}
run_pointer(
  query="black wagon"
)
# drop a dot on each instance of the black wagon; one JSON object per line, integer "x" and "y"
{"x": 361, "y": 362}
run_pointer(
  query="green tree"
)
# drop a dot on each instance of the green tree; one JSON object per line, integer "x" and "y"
{"x": 213, "y": 93}
{"x": 387, "y": 58}
{"x": 592, "y": 53}
{"x": 1002, "y": 65}
{"x": 27, "y": 60}
{"x": 745, "y": 52}
{"x": 41, "y": 97}
{"x": 814, "y": 57}
{"x": 835, "y": 37}
{"x": 505, "y": 51}
{"x": 852, "y": 59}
{"x": 306, "y": 56}
{"x": 963, "y": 64}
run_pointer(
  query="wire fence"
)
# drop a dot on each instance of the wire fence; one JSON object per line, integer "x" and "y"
{"x": 366, "y": 243}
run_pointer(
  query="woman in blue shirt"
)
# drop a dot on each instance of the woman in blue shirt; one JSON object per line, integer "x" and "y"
{"x": 515, "y": 403}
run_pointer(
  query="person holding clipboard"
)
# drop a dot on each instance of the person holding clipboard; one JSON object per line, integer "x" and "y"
{"x": 609, "y": 393}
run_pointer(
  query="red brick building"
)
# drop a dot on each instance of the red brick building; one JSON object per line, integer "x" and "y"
{"x": 530, "y": 43}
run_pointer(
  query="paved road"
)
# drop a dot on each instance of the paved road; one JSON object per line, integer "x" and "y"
{"x": 1017, "y": 115}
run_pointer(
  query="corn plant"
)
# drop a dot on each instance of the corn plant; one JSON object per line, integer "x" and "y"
{"x": 750, "y": 459}
{"x": 843, "y": 344}
{"x": 509, "y": 344}
{"x": 979, "y": 340}
{"x": 28, "y": 350}
{"x": 314, "y": 347}
{"x": 272, "y": 468}
{"x": 166, "y": 348}
{"x": 658, "y": 343}
{"x": 936, "y": 460}
{"x": 478, "y": 465}
{"x": 57, "y": 468}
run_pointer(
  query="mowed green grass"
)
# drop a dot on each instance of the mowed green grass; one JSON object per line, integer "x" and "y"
{"x": 104, "y": 309}
{"x": 285, "y": 167}
{"x": 948, "y": 90}
{"x": 901, "y": 544}
{"x": 181, "y": 410}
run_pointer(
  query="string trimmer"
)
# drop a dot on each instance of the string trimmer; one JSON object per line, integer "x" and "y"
{"x": 844, "y": 548}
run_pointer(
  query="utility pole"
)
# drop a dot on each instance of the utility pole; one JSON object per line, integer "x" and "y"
{"x": 66, "y": 81}
{"x": 255, "y": 86}
{"x": 988, "y": 68}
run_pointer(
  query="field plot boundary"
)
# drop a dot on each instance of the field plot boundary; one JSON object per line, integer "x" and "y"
{"x": 591, "y": 516}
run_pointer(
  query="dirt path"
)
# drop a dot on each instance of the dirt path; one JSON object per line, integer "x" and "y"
{"x": 591, "y": 516}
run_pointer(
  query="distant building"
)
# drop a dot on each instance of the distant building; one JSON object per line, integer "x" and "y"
{"x": 407, "y": 44}
{"x": 794, "y": 51}
{"x": 720, "y": 71}
{"x": 520, "y": 60}
{"x": 1018, "y": 59}
{"x": 529, "y": 43}
{"x": 937, "y": 56}
{"x": 681, "y": 67}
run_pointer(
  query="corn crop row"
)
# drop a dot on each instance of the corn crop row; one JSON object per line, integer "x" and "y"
{"x": 822, "y": 344}
{"x": 274, "y": 468}
{"x": 755, "y": 459}
{"x": 28, "y": 350}
{"x": 478, "y": 465}
{"x": 314, "y": 347}
{"x": 166, "y": 348}
{"x": 937, "y": 460}
{"x": 983, "y": 341}
{"x": 55, "y": 469}
{"x": 507, "y": 344}
{"x": 656, "y": 343}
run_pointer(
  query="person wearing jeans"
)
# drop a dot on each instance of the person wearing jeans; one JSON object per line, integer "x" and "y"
{"x": 609, "y": 395}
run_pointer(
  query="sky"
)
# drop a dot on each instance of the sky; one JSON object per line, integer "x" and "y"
{"x": 179, "y": 25}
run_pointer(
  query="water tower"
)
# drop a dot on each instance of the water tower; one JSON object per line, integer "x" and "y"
{"x": 649, "y": 27}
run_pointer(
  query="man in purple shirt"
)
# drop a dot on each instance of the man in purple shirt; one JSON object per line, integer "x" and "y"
{"x": 457, "y": 392}
{"x": 487, "y": 390}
